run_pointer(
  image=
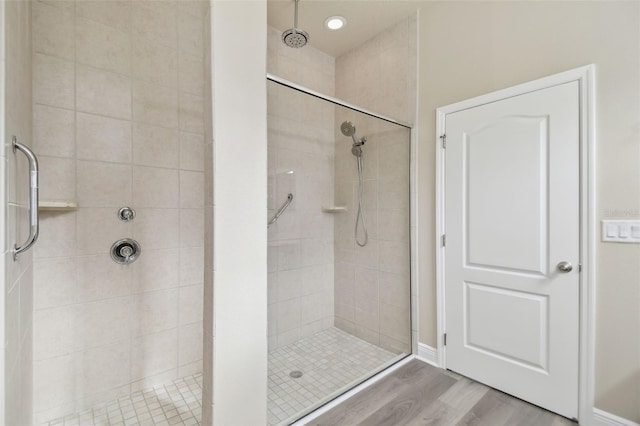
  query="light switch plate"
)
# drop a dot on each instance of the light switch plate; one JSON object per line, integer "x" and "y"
{"x": 621, "y": 231}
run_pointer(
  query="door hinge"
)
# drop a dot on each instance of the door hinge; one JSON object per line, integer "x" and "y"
{"x": 445, "y": 339}
{"x": 443, "y": 138}
{"x": 579, "y": 267}
{"x": 443, "y": 240}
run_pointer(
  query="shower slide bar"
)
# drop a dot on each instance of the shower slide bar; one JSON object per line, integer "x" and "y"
{"x": 33, "y": 197}
{"x": 282, "y": 209}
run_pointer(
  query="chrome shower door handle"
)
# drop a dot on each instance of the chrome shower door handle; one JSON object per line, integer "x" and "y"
{"x": 33, "y": 197}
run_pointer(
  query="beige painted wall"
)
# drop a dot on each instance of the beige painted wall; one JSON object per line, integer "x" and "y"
{"x": 468, "y": 49}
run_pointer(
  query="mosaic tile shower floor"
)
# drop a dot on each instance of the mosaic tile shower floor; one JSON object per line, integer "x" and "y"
{"x": 178, "y": 403}
{"x": 328, "y": 360}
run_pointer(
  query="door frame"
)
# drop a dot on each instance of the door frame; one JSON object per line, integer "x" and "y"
{"x": 585, "y": 76}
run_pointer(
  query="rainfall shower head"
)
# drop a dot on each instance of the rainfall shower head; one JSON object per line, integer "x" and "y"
{"x": 295, "y": 37}
{"x": 348, "y": 129}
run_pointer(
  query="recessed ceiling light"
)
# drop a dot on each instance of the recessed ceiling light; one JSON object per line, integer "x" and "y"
{"x": 335, "y": 22}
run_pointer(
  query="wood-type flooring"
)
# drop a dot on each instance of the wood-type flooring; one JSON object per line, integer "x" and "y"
{"x": 420, "y": 394}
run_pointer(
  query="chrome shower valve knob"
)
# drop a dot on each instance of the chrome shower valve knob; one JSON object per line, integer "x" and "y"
{"x": 126, "y": 214}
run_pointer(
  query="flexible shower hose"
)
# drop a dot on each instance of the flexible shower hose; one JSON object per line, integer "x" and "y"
{"x": 360, "y": 216}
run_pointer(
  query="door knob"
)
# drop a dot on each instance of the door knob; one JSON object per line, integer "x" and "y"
{"x": 564, "y": 267}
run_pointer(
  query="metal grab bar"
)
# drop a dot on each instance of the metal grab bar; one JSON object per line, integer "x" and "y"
{"x": 33, "y": 198}
{"x": 282, "y": 209}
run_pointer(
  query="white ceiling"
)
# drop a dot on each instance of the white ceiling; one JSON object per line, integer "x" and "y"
{"x": 364, "y": 20}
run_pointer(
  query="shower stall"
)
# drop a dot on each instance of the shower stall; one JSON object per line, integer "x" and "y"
{"x": 110, "y": 318}
{"x": 339, "y": 253}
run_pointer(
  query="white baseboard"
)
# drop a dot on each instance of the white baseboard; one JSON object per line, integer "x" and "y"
{"x": 428, "y": 354}
{"x": 603, "y": 418}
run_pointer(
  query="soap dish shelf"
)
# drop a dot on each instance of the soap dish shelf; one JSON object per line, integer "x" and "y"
{"x": 58, "y": 205}
{"x": 333, "y": 209}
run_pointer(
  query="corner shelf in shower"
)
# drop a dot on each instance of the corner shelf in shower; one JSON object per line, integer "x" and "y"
{"x": 333, "y": 209}
{"x": 58, "y": 205}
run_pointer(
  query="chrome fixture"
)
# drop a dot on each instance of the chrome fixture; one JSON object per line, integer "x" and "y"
{"x": 296, "y": 374}
{"x": 348, "y": 129}
{"x": 125, "y": 251}
{"x": 295, "y": 37}
{"x": 34, "y": 225}
{"x": 281, "y": 210}
{"x": 565, "y": 267}
{"x": 126, "y": 214}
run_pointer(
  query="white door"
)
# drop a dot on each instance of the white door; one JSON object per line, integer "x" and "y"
{"x": 511, "y": 220}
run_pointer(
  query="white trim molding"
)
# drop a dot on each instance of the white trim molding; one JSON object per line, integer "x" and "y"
{"x": 603, "y": 418}
{"x": 585, "y": 76}
{"x": 428, "y": 354}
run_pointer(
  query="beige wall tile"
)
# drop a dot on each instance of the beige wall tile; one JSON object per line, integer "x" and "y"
{"x": 98, "y": 229}
{"x": 57, "y": 236}
{"x": 396, "y": 322}
{"x": 156, "y": 187}
{"x": 156, "y": 269}
{"x": 103, "y": 184}
{"x": 394, "y": 225}
{"x": 57, "y": 178}
{"x": 190, "y": 33}
{"x": 190, "y": 343}
{"x": 103, "y": 139}
{"x": 154, "y": 311}
{"x": 54, "y": 331}
{"x": 155, "y": 146}
{"x": 53, "y": 31}
{"x": 191, "y": 74}
{"x": 191, "y": 305}
{"x": 394, "y": 289}
{"x": 153, "y": 380}
{"x": 191, "y": 190}
{"x": 99, "y": 277}
{"x": 54, "y": 382}
{"x": 190, "y": 369}
{"x": 149, "y": 221}
{"x": 103, "y": 92}
{"x": 103, "y": 368}
{"x": 110, "y": 316}
{"x": 394, "y": 256}
{"x": 191, "y": 151}
{"x": 191, "y": 228}
{"x": 102, "y": 46}
{"x": 191, "y": 265}
{"x": 155, "y": 63}
{"x": 116, "y": 14}
{"x": 53, "y": 81}
{"x": 154, "y": 104}
{"x": 191, "y": 113}
{"x": 62, "y": 4}
{"x": 53, "y": 131}
{"x": 54, "y": 282}
{"x": 289, "y": 284}
{"x": 154, "y": 354}
{"x": 289, "y": 315}
{"x": 155, "y": 21}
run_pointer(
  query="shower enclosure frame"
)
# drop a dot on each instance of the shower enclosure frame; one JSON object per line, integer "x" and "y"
{"x": 413, "y": 314}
